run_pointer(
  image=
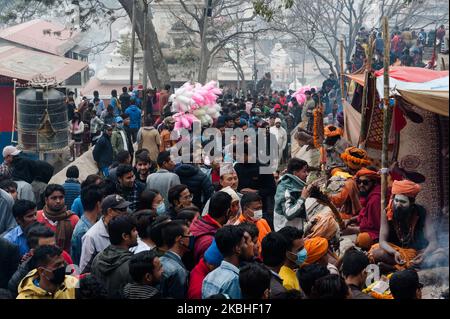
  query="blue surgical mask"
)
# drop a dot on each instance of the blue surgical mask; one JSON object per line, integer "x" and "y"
{"x": 302, "y": 255}
{"x": 161, "y": 209}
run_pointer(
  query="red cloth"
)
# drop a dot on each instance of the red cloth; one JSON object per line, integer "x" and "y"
{"x": 394, "y": 43}
{"x": 215, "y": 177}
{"x": 196, "y": 280}
{"x": 203, "y": 228}
{"x": 370, "y": 215}
{"x": 283, "y": 100}
{"x": 399, "y": 119}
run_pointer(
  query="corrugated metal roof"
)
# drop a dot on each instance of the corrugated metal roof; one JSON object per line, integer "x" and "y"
{"x": 25, "y": 64}
{"x": 31, "y": 34}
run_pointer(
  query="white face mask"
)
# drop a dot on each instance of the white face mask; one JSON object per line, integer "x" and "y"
{"x": 257, "y": 214}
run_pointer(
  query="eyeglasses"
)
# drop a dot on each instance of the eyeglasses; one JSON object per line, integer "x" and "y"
{"x": 365, "y": 182}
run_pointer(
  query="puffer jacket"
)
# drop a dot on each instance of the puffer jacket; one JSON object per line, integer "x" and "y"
{"x": 198, "y": 183}
{"x": 111, "y": 267}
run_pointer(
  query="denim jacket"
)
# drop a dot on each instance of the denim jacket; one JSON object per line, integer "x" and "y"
{"x": 174, "y": 283}
{"x": 223, "y": 280}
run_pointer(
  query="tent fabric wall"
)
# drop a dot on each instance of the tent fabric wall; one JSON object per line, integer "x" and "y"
{"x": 432, "y": 101}
{"x": 352, "y": 123}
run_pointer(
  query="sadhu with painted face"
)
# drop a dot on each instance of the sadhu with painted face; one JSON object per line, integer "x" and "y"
{"x": 407, "y": 236}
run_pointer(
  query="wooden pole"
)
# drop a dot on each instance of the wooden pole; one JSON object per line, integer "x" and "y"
{"x": 133, "y": 39}
{"x": 341, "y": 61}
{"x": 367, "y": 79}
{"x": 387, "y": 116}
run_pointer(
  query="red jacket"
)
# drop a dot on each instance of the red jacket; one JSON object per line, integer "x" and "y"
{"x": 196, "y": 280}
{"x": 370, "y": 215}
{"x": 203, "y": 228}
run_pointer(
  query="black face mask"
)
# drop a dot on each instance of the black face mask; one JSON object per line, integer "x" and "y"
{"x": 59, "y": 274}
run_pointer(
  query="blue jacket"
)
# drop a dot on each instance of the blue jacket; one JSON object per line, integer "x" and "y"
{"x": 135, "y": 116}
{"x": 174, "y": 281}
{"x": 73, "y": 189}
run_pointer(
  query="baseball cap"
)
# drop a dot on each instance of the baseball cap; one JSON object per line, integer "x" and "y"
{"x": 119, "y": 119}
{"x": 10, "y": 150}
{"x": 114, "y": 201}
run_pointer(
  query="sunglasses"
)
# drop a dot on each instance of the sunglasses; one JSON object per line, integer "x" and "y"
{"x": 122, "y": 210}
{"x": 365, "y": 182}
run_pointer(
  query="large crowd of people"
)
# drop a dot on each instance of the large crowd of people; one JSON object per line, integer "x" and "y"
{"x": 145, "y": 227}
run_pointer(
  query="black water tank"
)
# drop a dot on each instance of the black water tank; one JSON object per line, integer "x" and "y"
{"x": 42, "y": 123}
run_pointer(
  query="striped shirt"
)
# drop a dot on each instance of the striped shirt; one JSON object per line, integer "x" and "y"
{"x": 138, "y": 291}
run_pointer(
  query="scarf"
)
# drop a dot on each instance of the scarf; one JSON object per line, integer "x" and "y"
{"x": 64, "y": 227}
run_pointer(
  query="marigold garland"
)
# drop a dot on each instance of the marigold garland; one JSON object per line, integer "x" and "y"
{"x": 355, "y": 160}
{"x": 317, "y": 111}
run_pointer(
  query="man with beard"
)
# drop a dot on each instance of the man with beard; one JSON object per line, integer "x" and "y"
{"x": 56, "y": 216}
{"x": 407, "y": 237}
{"x": 142, "y": 167}
{"x": 127, "y": 185}
{"x": 368, "y": 220}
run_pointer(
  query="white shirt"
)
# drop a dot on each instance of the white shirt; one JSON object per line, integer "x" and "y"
{"x": 141, "y": 246}
{"x": 281, "y": 135}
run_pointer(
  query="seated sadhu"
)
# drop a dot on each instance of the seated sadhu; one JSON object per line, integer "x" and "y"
{"x": 407, "y": 238}
{"x": 343, "y": 193}
{"x": 368, "y": 219}
{"x": 333, "y": 146}
{"x": 346, "y": 199}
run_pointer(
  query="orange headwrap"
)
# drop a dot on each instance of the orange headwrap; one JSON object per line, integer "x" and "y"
{"x": 316, "y": 248}
{"x": 332, "y": 131}
{"x": 404, "y": 187}
{"x": 355, "y": 158}
{"x": 367, "y": 173}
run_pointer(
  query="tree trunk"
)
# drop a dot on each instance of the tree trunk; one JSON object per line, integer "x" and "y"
{"x": 156, "y": 65}
{"x": 203, "y": 67}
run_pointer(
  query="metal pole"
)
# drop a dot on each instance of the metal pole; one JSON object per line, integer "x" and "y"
{"x": 144, "y": 73}
{"x": 387, "y": 117}
{"x": 133, "y": 39}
